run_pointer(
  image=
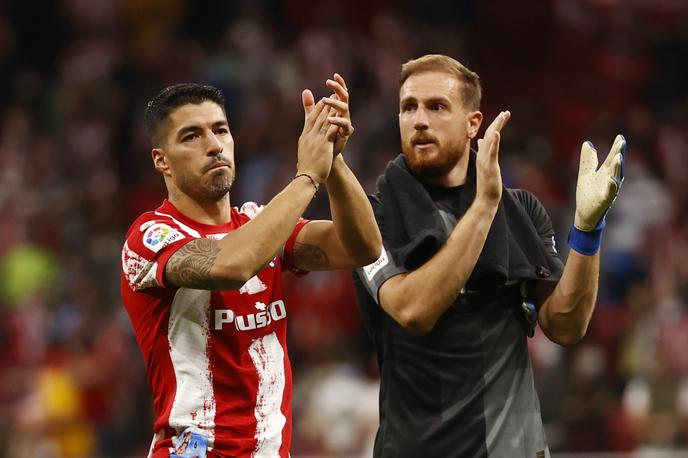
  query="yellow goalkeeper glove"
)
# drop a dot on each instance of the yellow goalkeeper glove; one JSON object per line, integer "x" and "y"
{"x": 596, "y": 191}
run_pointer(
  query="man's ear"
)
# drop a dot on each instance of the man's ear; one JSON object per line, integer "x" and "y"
{"x": 160, "y": 161}
{"x": 474, "y": 119}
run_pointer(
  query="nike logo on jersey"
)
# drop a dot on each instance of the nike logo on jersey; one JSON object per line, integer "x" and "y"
{"x": 275, "y": 311}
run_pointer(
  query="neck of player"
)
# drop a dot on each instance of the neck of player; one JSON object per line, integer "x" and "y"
{"x": 206, "y": 211}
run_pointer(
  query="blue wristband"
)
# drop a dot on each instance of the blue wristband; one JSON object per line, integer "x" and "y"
{"x": 587, "y": 242}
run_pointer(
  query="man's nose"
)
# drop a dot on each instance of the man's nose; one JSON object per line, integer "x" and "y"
{"x": 420, "y": 120}
{"x": 213, "y": 145}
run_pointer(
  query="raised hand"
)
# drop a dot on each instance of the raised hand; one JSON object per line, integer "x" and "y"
{"x": 489, "y": 176}
{"x": 340, "y": 116}
{"x": 316, "y": 142}
{"x": 597, "y": 189}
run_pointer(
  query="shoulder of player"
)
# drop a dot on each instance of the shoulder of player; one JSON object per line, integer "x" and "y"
{"x": 533, "y": 207}
{"x": 142, "y": 220}
{"x": 526, "y": 198}
{"x": 148, "y": 219}
{"x": 153, "y": 230}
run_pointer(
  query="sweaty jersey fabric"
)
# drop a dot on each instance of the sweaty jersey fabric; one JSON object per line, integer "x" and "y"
{"x": 466, "y": 388}
{"x": 216, "y": 360}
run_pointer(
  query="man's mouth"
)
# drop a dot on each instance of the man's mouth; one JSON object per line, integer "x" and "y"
{"x": 423, "y": 142}
{"x": 218, "y": 165}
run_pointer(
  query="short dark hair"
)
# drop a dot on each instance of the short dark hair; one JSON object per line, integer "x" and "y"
{"x": 171, "y": 98}
{"x": 471, "y": 92}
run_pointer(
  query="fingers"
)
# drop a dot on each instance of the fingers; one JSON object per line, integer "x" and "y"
{"x": 494, "y": 146}
{"x": 339, "y": 87}
{"x": 314, "y": 115}
{"x": 489, "y": 146}
{"x": 623, "y": 155}
{"x": 615, "y": 151}
{"x": 616, "y": 167}
{"x": 308, "y": 102}
{"x": 320, "y": 115}
{"x": 344, "y": 123}
{"x": 619, "y": 152}
{"x": 340, "y": 80}
{"x": 491, "y": 140}
{"x": 339, "y": 105}
{"x": 588, "y": 159}
{"x": 499, "y": 122}
{"x": 331, "y": 133}
{"x": 502, "y": 119}
{"x": 321, "y": 118}
{"x": 613, "y": 189}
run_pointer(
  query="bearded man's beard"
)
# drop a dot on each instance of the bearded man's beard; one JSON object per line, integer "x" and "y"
{"x": 434, "y": 164}
{"x": 209, "y": 188}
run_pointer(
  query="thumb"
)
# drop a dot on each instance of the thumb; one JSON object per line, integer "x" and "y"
{"x": 308, "y": 102}
{"x": 588, "y": 159}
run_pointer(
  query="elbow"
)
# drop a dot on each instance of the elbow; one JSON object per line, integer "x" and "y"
{"x": 416, "y": 323}
{"x": 371, "y": 253}
{"x": 568, "y": 338}
{"x": 375, "y": 246}
{"x": 370, "y": 250}
{"x": 414, "y": 314}
{"x": 565, "y": 323}
{"x": 232, "y": 276}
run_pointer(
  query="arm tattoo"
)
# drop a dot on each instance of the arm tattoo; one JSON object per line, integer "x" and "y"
{"x": 310, "y": 257}
{"x": 190, "y": 266}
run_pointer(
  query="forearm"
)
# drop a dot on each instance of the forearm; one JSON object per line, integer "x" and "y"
{"x": 352, "y": 215}
{"x": 565, "y": 315}
{"x": 418, "y": 299}
{"x": 246, "y": 250}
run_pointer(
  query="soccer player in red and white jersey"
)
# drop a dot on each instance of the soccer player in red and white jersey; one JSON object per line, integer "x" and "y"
{"x": 201, "y": 280}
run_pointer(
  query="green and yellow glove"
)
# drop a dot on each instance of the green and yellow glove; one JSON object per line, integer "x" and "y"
{"x": 596, "y": 191}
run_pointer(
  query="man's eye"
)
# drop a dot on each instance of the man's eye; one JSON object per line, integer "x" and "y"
{"x": 222, "y": 131}
{"x": 408, "y": 108}
{"x": 189, "y": 137}
{"x": 437, "y": 106}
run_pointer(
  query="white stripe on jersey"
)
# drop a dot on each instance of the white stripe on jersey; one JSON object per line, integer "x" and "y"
{"x": 268, "y": 357}
{"x": 139, "y": 272}
{"x": 188, "y": 331}
{"x": 182, "y": 226}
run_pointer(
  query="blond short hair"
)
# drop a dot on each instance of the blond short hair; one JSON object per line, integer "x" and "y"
{"x": 471, "y": 92}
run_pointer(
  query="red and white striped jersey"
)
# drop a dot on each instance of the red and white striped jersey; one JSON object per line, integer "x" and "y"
{"x": 216, "y": 360}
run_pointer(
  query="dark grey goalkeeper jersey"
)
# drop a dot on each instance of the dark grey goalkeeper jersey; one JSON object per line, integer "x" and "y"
{"x": 466, "y": 388}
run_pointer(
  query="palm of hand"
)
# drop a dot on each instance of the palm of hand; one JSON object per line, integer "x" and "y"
{"x": 597, "y": 189}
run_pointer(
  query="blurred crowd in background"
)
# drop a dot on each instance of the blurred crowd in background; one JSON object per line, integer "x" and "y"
{"x": 75, "y": 170}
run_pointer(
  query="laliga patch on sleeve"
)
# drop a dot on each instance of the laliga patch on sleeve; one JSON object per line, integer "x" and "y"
{"x": 371, "y": 269}
{"x": 160, "y": 235}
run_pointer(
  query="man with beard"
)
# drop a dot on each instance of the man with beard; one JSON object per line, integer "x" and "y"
{"x": 467, "y": 270}
{"x": 201, "y": 280}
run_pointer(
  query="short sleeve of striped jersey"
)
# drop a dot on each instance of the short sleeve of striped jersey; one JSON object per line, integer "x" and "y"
{"x": 149, "y": 245}
{"x": 288, "y": 252}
